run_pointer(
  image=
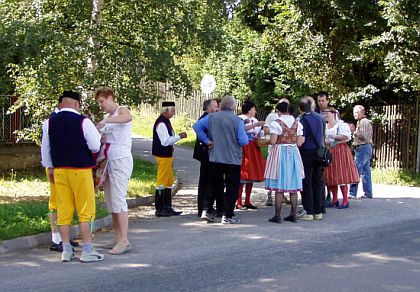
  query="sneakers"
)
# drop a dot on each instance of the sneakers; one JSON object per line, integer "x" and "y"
{"x": 351, "y": 197}
{"x": 318, "y": 216}
{"x": 366, "y": 197}
{"x": 207, "y": 216}
{"x": 59, "y": 246}
{"x": 90, "y": 257}
{"x": 306, "y": 217}
{"x": 233, "y": 220}
{"x": 67, "y": 257}
{"x": 301, "y": 213}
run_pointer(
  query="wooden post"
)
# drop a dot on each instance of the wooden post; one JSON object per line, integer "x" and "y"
{"x": 418, "y": 139}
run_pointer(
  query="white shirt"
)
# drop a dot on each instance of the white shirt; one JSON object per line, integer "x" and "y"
{"x": 250, "y": 121}
{"x": 271, "y": 117}
{"x": 164, "y": 137}
{"x": 119, "y": 136}
{"x": 90, "y": 133}
{"x": 340, "y": 128}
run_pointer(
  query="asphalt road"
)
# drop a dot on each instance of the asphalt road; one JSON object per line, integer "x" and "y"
{"x": 372, "y": 246}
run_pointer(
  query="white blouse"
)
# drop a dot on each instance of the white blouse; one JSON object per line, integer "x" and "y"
{"x": 340, "y": 128}
{"x": 275, "y": 127}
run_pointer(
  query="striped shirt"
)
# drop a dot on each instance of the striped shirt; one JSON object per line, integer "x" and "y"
{"x": 363, "y": 133}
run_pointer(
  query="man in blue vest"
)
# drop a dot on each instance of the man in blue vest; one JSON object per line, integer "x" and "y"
{"x": 164, "y": 139}
{"x": 313, "y": 131}
{"x": 68, "y": 143}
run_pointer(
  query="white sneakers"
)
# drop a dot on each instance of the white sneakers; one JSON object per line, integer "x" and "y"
{"x": 233, "y": 220}
{"x": 92, "y": 256}
{"x": 86, "y": 257}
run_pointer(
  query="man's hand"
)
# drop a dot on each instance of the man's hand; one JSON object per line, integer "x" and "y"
{"x": 182, "y": 135}
{"x": 352, "y": 128}
{"x": 50, "y": 171}
{"x": 210, "y": 144}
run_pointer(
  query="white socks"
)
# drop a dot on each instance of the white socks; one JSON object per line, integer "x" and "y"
{"x": 56, "y": 238}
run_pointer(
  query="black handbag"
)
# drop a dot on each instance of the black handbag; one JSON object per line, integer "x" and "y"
{"x": 324, "y": 156}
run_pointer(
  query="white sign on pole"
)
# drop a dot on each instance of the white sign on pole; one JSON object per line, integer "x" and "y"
{"x": 208, "y": 84}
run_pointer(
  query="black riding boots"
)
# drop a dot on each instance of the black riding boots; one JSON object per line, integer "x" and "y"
{"x": 163, "y": 203}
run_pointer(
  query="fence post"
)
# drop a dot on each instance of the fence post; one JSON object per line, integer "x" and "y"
{"x": 418, "y": 139}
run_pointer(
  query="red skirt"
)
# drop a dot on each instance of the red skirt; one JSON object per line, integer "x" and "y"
{"x": 343, "y": 169}
{"x": 253, "y": 163}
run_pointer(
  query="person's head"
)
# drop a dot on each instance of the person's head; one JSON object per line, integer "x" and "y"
{"x": 359, "y": 112}
{"x": 70, "y": 99}
{"x": 323, "y": 100}
{"x": 283, "y": 108}
{"x": 210, "y": 106}
{"x": 331, "y": 114}
{"x": 228, "y": 103}
{"x": 284, "y": 99}
{"x": 105, "y": 98}
{"x": 168, "y": 109}
{"x": 218, "y": 100}
{"x": 306, "y": 104}
{"x": 249, "y": 108}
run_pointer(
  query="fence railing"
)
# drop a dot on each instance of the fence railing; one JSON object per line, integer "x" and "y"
{"x": 10, "y": 122}
{"x": 396, "y": 138}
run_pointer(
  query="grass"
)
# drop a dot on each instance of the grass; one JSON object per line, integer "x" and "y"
{"x": 143, "y": 179}
{"x": 401, "y": 177}
{"x": 143, "y": 122}
{"x": 30, "y": 217}
{"x": 24, "y": 198}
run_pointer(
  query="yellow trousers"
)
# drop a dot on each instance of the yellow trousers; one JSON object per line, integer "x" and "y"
{"x": 165, "y": 174}
{"x": 75, "y": 191}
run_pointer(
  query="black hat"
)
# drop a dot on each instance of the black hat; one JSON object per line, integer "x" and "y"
{"x": 69, "y": 94}
{"x": 168, "y": 103}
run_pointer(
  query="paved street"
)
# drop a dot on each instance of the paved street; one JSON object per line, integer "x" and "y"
{"x": 372, "y": 246}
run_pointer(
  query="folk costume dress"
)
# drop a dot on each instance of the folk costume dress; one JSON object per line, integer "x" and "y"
{"x": 343, "y": 170}
{"x": 284, "y": 169}
{"x": 253, "y": 163}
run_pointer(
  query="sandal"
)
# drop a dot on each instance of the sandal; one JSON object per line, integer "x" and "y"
{"x": 108, "y": 245}
{"x": 119, "y": 249}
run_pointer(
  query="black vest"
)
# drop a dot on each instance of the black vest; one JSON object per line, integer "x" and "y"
{"x": 157, "y": 148}
{"x": 201, "y": 150}
{"x": 69, "y": 148}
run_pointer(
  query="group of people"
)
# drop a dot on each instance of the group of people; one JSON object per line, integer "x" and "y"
{"x": 230, "y": 157}
{"x": 228, "y": 148}
{"x": 71, "y": 144}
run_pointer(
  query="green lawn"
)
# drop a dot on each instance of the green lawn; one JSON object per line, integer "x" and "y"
{"x": 24, "y": 198}
{"x": 30, "y": 217}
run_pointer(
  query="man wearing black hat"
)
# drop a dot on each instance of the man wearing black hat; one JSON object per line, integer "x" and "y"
{"x": 68, "y": 141}
{"x": 164, "y": 138}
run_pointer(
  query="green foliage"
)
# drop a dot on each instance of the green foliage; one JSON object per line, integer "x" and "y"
{"x": 123, "y": 44}
{"x": 359, "y": 51}
{"x": 395, "y": 177}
